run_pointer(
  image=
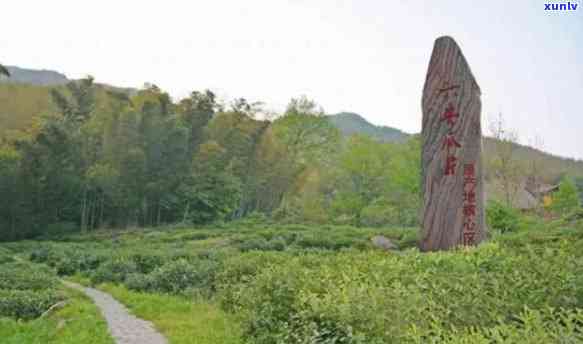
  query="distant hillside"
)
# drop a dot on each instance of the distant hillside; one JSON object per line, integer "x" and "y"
{"x": 26, "y": 95}
{"x": 34, "y": 77}
{"x": 553, "y": 166}
{"x": 20, "y": 103}
{"x": 350, "y": 123}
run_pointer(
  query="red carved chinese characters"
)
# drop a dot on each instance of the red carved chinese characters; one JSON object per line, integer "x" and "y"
{"x": 450, "y": 115}
{"x": 450, "y": 143}
{"x": 469, "y": 210}
{"x": 450, "y": 165}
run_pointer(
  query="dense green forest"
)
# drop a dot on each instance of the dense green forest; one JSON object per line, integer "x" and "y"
{"x": 88, "y": 156}
{"x": 106, "y": 159}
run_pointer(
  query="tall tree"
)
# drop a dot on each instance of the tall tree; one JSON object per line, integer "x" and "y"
{"x": 508, "y": 170}
{"x": 196, "y": 111}
{"x": 302, "y": 138}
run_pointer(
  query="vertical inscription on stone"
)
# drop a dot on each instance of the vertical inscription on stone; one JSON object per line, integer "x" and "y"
{"x": 452, "y": 179}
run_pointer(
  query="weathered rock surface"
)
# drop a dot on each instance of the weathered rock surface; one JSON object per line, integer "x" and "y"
{"x": 452, "y": 178}
{"x": 384, "y": 243}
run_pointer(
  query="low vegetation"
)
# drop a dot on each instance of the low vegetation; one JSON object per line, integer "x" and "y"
{"x": 36, "y": 308}
{"x": 267, "y": 283}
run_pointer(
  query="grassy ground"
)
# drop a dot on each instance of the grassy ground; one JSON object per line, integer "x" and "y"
{"x": 78, "y": 322}
{"x": 181, "y": 320}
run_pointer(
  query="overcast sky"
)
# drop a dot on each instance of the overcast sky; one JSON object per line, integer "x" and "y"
{"x": 363, "y": 56}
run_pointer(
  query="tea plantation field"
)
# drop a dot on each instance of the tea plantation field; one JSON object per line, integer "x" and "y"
{"x": 267, "y": 283}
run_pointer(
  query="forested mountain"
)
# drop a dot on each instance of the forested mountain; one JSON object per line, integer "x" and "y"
{"x": 552, "y": 167}
{"x": 351, "y": 123}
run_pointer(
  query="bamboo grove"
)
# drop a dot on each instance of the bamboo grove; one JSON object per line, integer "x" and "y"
{"x": 110, "y": 159}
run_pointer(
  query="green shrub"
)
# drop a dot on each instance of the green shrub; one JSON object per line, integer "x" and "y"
{"x": 67, "y": 266}
{"x": 566, "y": 200}
{"x": 575, "y": 216}
{"x": 530, "y": 326}
{"x": 147, "y": 262}
{"x": 326, "y": 242}
{"x": 22, "y": 276}
{"x": 27, "y": 304}
{"x": 373, "y": 297}
{"x": 140, "y": 282}
{"x": 177, "y": 276}
{"x": 115, "y": 270}
{"x": 241, "y": 269}
{"x": 501, "y": 217}
{"x": 195, "y": 236}
{"x": 6, "y": 259}
{"x": 90, "y": 262}
{"x": 262, "y": 244}
{"x": 408, "y": 239}
{"x": 40, "y": 255}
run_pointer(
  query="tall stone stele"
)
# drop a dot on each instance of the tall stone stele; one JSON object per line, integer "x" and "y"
{"x": 452, "y": 178}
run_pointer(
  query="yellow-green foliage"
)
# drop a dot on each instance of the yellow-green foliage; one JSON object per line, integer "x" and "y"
{"x": 20, "y": 103}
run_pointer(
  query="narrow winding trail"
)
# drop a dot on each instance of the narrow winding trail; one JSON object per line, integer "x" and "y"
{"x": 124, "y": 327}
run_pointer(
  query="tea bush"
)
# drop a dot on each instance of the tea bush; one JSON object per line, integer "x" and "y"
{"x": 5, "y": 256}
{"x": 140, "y": 282}
{"x": 27, "y": 304}
{"x": 26, "y": 290}
{"x": 22, "y": 276}
{"x": 42, "y": 255}
{"x": 530, "y": 326}
{"x": 370, "y": 297}
{"x": 67, "y": 260}
{"x": 147, "y": 262}
{"x": 177, "y": 277}
{"x": 261, "y": 244}
{"x": 324, "y": 284}
{"x": 240, "y": 269}
{"x": 115, "y": 270}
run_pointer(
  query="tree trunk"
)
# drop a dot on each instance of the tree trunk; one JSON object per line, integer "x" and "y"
{"x": 159, "y": 215}
{"x": 84, "y": 211}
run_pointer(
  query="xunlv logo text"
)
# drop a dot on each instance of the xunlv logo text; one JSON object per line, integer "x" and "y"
{"x": 561, "y": 7}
